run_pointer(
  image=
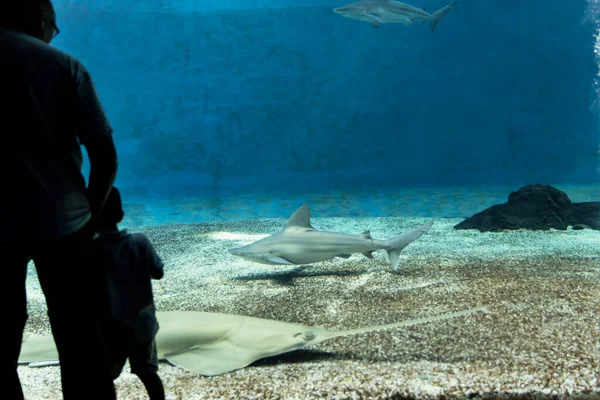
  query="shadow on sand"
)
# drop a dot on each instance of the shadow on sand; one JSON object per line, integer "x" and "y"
{"x": 287, "y": 278}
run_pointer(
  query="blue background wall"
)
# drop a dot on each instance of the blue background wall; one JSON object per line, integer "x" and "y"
{"x": 204, "y": 94}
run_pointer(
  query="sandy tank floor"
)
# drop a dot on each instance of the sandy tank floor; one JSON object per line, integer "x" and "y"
{"x": 538, "y": 340}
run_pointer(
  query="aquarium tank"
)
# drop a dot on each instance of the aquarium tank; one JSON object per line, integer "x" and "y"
{"x": 270, "y": 148}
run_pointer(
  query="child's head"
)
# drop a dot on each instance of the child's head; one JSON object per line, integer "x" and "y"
{"x": 112, "y": 213}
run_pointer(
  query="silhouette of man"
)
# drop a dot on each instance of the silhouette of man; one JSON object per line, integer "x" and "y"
{"x": 49, "y": 109}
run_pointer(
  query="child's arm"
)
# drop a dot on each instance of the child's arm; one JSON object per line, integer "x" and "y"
{"x": 156, "y": 265}
{"x": 154, "y": 262}
{"x": 157, "y": 269}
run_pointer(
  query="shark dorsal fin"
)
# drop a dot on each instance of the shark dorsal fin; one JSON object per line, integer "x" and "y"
{"x": 300, "y": 219}
{"x": 366, "y": 235}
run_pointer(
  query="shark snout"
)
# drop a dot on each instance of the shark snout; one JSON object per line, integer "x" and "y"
{"x": 339, "y": 10}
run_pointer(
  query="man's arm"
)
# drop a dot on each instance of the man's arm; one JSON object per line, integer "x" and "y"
{"x": 95, "y": 134}
{"x": 103, "y": 170}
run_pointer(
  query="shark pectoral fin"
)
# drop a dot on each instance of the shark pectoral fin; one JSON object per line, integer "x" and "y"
{"x": 279, "y": 260}
{"x": 374, "y": 19}
{"x": 212, "y": 361}
{"x": 368, "y": 254}
{"x": 366, "y": 235}
{"x": 394, "y": 259}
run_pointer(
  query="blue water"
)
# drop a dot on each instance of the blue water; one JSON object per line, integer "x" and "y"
{"x": 425, "y": 201}
{"x": 243, "y": 109}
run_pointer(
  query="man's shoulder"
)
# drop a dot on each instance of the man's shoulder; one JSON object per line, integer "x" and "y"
{"x": 30, "y": 46}
{"x": 63, "y": 59}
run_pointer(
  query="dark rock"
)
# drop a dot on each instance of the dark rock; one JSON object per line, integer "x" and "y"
{"x": 586, "y": 214}
{"x": 534, "y": 207}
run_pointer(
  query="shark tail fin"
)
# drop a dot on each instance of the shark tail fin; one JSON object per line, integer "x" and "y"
{"x": 395, "y": 245}
{"x": 439, "y": 14}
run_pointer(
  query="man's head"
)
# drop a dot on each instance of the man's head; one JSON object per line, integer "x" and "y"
{"x": 112, "y": 213}
{"x": 33, "y": 17}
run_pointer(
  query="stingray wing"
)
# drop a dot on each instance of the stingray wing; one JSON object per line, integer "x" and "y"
{"x": 215, "y": 360}
{"x": 250, "y": 342}
{"x": 38, "y": 351}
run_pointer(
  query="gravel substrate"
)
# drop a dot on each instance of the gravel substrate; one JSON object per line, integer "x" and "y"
{"x": 539, "y": 338}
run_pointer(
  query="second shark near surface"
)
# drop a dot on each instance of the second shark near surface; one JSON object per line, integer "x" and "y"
{"x": 300, "y": 244}
{"x": 380, "y": 12}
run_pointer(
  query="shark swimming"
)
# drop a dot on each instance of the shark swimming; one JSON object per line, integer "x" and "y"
{"x": 380, "y": 12}
{"x": 300, "y": 244}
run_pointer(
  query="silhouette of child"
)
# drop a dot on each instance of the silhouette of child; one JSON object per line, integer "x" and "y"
{"x": 129, "y": 262}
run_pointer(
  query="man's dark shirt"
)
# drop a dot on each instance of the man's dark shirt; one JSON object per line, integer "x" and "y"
{"x": 48, "y": 109}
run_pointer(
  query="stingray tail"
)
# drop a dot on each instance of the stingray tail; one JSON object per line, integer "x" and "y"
{"x": 438, "y": 15}
{"x": 396, "y": 245}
